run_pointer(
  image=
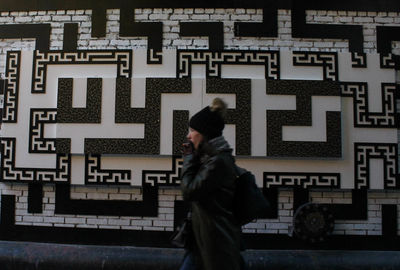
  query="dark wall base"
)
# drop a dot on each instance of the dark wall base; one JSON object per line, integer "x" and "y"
{"x": 39, "y": 256}
{"x": 161, "y": 239}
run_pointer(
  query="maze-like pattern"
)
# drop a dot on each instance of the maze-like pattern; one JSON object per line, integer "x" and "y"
{"x": 10, "y": 172}
{"x": 303, "y": 180}
{"x": 122, "y": 58}
{"x": 38, "y": 143}
{"x": 328, "y": 62}
{"x": 150, "y": 115}
{"x": 362, "y": 116}
{"x": 214, "y": 61}
{"x": 96, "y": 175}
{"x": 363, "y": 152}
{"x": 165, "y": 178}
{"x": 10, "y": 107}
{"x": 372, "y": 131}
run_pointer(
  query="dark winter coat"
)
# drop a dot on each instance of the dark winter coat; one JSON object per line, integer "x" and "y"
{"x": 208, "y": 182}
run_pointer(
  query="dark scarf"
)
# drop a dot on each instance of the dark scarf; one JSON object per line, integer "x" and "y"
{"x": 213, "y": 147}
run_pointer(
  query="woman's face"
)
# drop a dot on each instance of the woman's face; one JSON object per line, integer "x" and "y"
{"x": 195, "y": 137}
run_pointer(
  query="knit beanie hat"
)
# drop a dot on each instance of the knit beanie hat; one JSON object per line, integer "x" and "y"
{"x": 210, "y": 120}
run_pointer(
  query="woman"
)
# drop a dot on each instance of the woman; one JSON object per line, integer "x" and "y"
{"x": 208, "y": 183}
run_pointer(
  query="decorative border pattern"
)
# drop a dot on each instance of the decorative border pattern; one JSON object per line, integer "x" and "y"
{"x": 9, "y": 172}
{"x": 362, "y": 117}
{"x": 147, "y": 207}
{"x": 170, "y": 178}
{"x": 160, "y": 238}
{"x": 94, "y": 174}
{"x": 327, "y": 60}
{"x": 122, "y": 58}
{"x": 37, "y": 141}
{"x": 214, "y": 60}
{"x": 363, "y": 152}
{"x": 11, "y": 87}
{"x": 303, "y": 180}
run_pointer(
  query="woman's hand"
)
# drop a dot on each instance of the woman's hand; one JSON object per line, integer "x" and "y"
{"x": 188, "y": 148}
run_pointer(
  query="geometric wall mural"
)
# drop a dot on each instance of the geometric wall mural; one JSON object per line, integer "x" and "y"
{"x": 95, "y": 101}
{"x": 297, "y": 108}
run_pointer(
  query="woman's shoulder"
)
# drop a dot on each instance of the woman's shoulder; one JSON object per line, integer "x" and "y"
{"x": 223, "y": 160}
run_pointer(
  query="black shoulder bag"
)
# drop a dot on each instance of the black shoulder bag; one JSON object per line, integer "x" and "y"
{"x": 249, "y": 201}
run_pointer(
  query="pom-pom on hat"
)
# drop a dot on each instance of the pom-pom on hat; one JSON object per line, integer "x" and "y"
{"x": 210, "y": 120}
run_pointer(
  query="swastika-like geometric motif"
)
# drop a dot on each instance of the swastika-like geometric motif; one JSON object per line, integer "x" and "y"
{"x": 363, "y": 152}
{"x": 303, "y": 180}
{"x": 362, "y": 116}
{"x": 154, "y": 57}
{"x": 214, "y": 60}
{"x": 10, "y": 109}
{"x": 149, "y": 115}
{"x": 122, "y": 58}
{"x": 9, "y": 172}
{"x": 276, "y": 119}
{"x": 327, "y": 60}
{"x": 358, "y": 60}
{"x": 37, "y": 141}
{"x": 387, "y": 60}
{"x": 94, "y": 174}
{"x": 165, "y": 178}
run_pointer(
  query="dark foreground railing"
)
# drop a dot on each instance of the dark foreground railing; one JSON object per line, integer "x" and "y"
{"x": 30, "y": 255}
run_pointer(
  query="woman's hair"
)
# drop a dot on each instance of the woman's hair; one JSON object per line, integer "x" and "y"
{"x": 219, "y": 106}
